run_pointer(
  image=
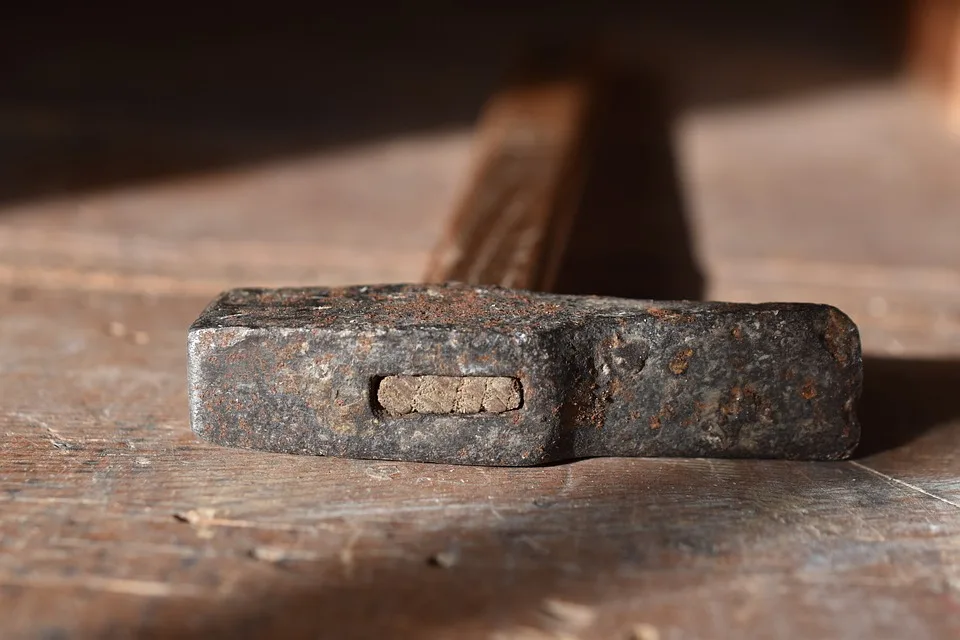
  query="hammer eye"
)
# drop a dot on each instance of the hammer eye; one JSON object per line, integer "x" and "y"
{"x": 403, "y": 395}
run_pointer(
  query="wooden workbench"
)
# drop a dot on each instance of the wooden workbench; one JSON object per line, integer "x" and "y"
{"x": 115, "y": 521}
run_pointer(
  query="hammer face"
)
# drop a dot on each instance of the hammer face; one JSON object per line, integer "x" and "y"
{"x": 484, "y": 375}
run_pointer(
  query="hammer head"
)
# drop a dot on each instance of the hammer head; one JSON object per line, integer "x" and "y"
{"x": 493, "y": 376}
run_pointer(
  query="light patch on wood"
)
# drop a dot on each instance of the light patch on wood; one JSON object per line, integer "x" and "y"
{"x": 569, "y": 614}
{"x": 644, "y": 631}
{"x": 402, "y": 395}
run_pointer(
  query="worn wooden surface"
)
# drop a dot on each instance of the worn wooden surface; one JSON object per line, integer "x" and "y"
{"x": 116, "y": 522}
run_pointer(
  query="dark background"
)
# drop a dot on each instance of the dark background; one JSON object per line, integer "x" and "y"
{"x": 92, "y": 96}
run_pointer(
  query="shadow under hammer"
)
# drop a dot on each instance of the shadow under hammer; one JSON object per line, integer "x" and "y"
{"x": 904, "y": 399}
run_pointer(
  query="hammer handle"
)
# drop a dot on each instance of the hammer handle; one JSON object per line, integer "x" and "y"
{"x": 512, "y": 225}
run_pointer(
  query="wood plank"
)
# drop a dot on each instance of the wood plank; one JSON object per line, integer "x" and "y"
{"x": 116, "y": 521}
{"x": 301, "y": 221}
{"x": 845, "y": 197}
{"x": 598, "y": 548}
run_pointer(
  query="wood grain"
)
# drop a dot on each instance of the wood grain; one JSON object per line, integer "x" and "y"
{"x": 512, "y": 226}
{"x": 116, "y": 522}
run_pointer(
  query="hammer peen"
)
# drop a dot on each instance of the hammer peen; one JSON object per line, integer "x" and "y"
{"x": 485, "y": 371}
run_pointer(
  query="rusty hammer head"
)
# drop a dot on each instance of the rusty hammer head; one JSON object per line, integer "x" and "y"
{"x": 487, "y": 375}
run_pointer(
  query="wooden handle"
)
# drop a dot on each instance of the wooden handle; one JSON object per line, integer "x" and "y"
{"x": 512, "y": 225}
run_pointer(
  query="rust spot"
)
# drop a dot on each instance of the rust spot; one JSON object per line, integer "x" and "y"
{"x": 364, "y": 345}
{"x": 742, "y": 405}
{"x": 808, "y": 390}
{"x": 737, "y": 333}
{"x": 839, "y": 336}
{"x": 669, "y": 316}
{"x": 731, "y": 408}
{"x": 681, "y": 361}
{"x": 666, "y": 411}
{"x": 614, "y": 390}
{"x": 698, "y": 409}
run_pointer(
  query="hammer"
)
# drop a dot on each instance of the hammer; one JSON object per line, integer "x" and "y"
{"x": 484, "y": 367}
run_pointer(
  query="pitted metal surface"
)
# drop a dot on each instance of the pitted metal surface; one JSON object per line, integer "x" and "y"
{"x": 302, "y": 371}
